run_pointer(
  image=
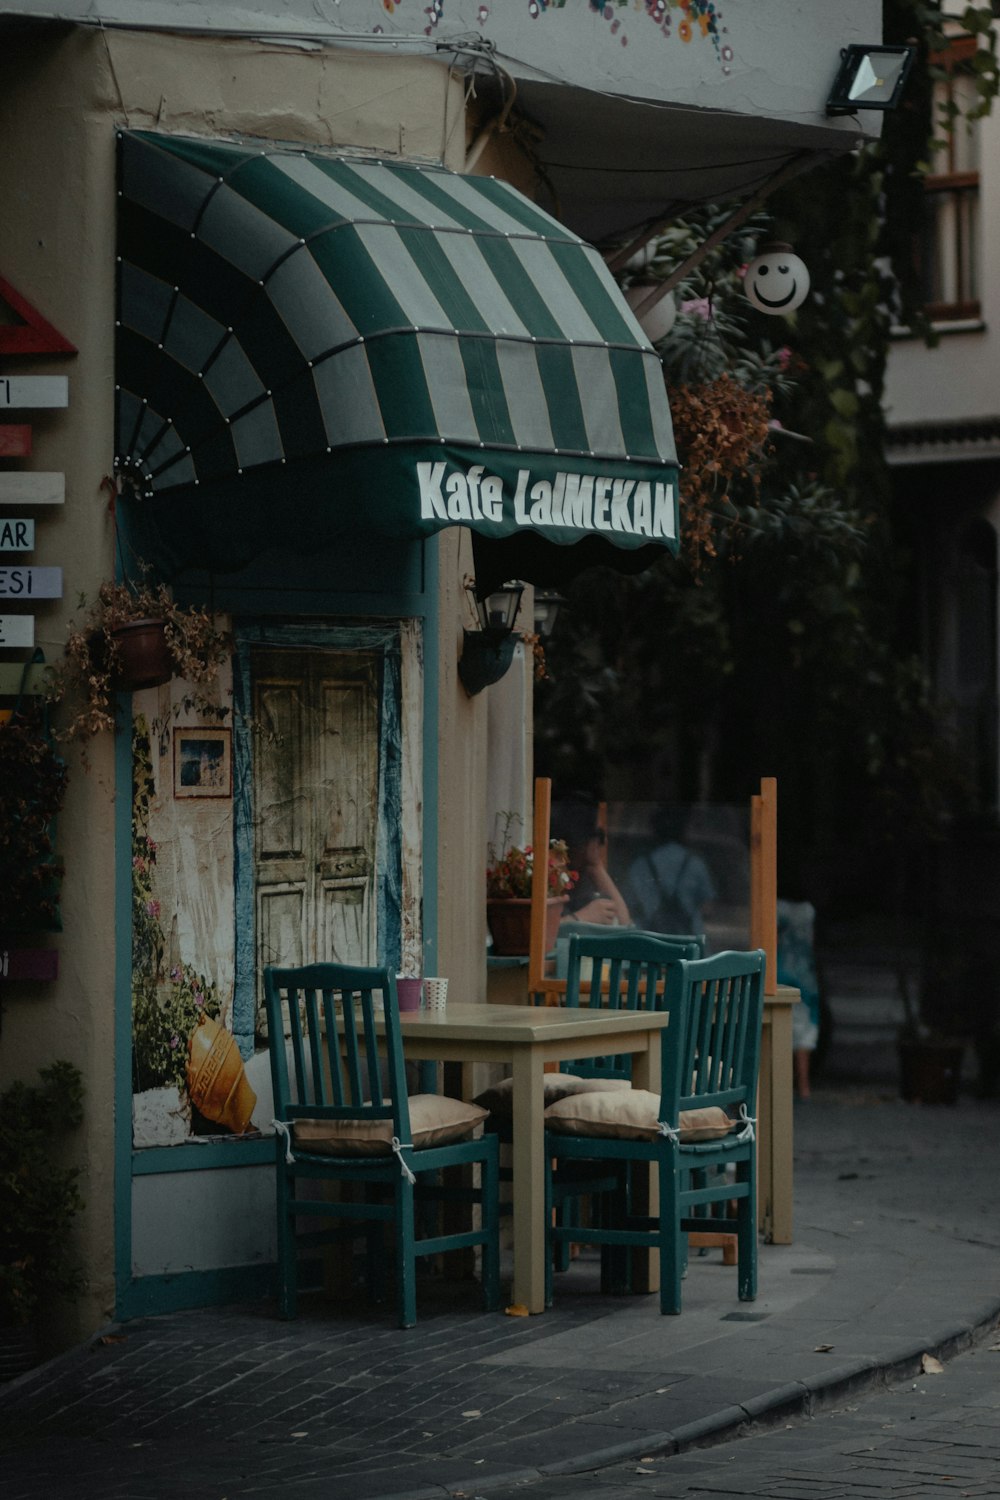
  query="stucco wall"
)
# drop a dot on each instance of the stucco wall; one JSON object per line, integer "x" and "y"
{"x": 59, "y": 104}
{"x": 961, "y": 376}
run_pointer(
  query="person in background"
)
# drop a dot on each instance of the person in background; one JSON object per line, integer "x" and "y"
{"x": 595, "y": 897}
{"x": 670, "y": 888}
{"x": 797, "y": 967}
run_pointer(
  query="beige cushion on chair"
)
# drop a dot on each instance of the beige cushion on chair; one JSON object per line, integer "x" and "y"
{"x": 632, "y": 1117}
{"x": 435, "y": 1120}
{"x": 498, "y": 1098}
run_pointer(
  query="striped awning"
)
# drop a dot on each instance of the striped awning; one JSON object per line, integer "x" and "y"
{"x": 309, "y": 345}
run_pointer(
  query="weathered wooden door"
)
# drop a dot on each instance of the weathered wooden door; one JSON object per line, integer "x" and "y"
{"x": 315, "y": 799}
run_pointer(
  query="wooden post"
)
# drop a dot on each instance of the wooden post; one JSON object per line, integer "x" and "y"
{"x": 539, "y": 884}
{"x": 764, "y": 877}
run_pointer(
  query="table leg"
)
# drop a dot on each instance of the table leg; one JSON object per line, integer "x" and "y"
{"x": 775, "y": 1132}
{"x": 529, "y": 1181}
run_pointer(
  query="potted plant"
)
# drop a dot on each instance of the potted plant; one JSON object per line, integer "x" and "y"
{"x": 38, "y": 1201}
{"x": 31, "y": 793}
{"x": 930, "y": 1058}
{"x": 133, "y": 636}
{"x": 509, "y": 876}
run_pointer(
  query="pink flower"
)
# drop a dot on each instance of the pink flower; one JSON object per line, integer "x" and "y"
{"x": 698, "y": 307}
{"x": 175, "y": 1041}
{"x": 784, "y": 356}
{"x": 139, "y": 863}
{"x": 152, "y": 908}
{"x": 175, "y": 974}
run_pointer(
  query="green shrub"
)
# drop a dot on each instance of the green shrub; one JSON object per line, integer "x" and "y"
{"x": 38, "y": 1199}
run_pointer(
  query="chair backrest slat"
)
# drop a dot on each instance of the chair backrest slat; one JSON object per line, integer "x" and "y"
{"x": 711, "y": 1049}
{"x": 334, "y": 1054}
{"x": 314, "y": 1038}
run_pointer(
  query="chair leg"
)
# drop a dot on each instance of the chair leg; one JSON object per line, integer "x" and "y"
{"x": 746, "y": 1233}
{"x": 673, "y": 1242}
{"x": 285, "y": 1197}
{"x": 406, "y": 1274}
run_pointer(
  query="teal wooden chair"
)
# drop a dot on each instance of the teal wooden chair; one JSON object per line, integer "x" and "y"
{"x": 710, "y": 1061}
{"x": 342, "y": 1114}
{"x": 624, "y": 969}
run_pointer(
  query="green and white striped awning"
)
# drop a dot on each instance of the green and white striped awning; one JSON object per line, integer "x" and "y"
{"x": 309, "y": 345}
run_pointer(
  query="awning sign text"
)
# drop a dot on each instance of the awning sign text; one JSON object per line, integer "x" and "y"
{"x": 567, "y": 501}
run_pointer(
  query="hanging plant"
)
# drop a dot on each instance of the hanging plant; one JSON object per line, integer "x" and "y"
{"x": 175, "y": 641}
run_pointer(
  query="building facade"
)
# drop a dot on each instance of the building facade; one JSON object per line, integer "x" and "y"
{"x": 340, "y": 342}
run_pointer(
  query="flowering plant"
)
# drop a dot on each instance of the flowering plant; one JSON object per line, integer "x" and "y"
{"x": 510, "y": 873}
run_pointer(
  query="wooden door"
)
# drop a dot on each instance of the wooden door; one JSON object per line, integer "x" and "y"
{"x": 315, "y": 800}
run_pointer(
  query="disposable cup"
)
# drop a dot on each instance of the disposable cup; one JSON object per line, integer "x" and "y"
{"x": 408, "y": 991}
{"x": 436, "y": 994}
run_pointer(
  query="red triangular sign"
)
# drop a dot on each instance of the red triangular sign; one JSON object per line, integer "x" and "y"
{"x": 31, "y": 334}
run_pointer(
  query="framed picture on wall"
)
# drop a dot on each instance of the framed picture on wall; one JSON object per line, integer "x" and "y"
{"x": 203, "y": 763}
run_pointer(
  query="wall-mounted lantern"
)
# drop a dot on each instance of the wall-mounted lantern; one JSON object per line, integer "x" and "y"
{"x": 547, "y": 606}
{"x": 869, "y": 78}
{"x": 488, "y": 651}
{"x": 776, "y": 280}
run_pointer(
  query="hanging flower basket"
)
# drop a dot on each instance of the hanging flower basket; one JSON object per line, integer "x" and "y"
{"x": 140, "y": 656}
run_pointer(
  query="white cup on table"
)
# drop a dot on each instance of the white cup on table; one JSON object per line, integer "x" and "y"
{"x": 435, "y": 994}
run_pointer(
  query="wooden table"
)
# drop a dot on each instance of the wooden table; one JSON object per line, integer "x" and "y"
{"x": 527, "y": 1038}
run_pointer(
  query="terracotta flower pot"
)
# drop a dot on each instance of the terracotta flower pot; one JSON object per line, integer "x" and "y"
{"x": 141, "y": 656}
{"x": 509, "y": 919}
{"x": 217, "y": 1084}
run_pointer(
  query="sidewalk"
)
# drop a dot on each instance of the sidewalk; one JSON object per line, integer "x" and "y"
{"x": 897, "y": 1233}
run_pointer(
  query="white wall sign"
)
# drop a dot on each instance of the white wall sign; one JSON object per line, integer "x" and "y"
{"x": 17, "y": 630}
{"x": 19, "y": 487}
{"x": 17, "y": 534}
{"x": 33, "y": 391}
{"x": 31, "y": 583}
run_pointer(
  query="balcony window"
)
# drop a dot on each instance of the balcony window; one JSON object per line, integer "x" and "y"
{"x": 948, "y": 246}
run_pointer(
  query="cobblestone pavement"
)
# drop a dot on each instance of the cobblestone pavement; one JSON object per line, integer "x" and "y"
{"x": 894, "y": 1257}
{"x": 936, "y": 1437}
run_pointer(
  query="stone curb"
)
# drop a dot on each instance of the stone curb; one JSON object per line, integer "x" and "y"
{"x": 792, "y": 1399}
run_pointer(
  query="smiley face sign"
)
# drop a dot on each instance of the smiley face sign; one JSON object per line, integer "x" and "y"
{"x": 776, "y": 280}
